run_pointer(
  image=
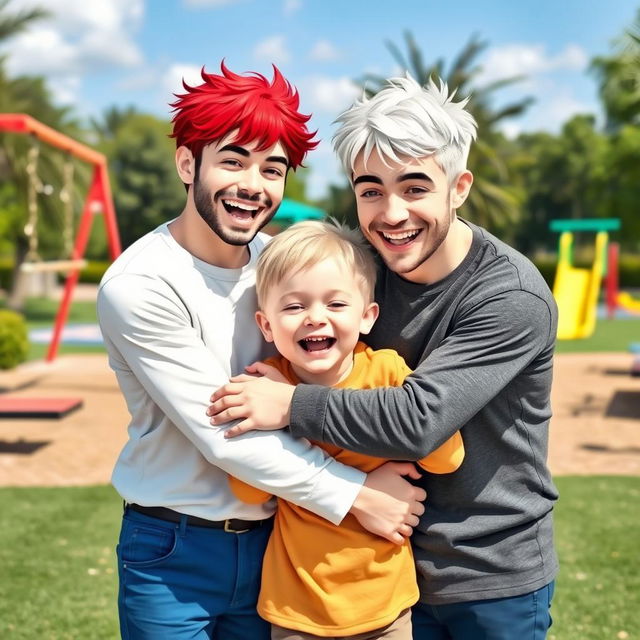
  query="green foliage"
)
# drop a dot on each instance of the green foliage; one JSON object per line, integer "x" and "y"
{"x": 93, "y": 272}
{"x": 146, "y": 188}
{"x": 13, "y": 23}
{"x": 6, "y": 273}
{"x": 14, "y": 342}
{"x": 619, "y": 79}
{"x": 296, "y": 185}
{"x": 562, "y": 176}
{"x": 629, "y": 271}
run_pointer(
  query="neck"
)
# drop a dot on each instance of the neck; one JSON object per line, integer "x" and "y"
{"x": 194, "y": 235}
{"x": 326, "y": 378}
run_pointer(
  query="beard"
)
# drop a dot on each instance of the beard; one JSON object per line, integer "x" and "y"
{"x": 436, "y": 235}
{"x": 206, "y": 207}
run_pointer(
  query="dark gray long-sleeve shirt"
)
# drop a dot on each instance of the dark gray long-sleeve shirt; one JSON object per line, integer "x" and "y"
{"x": 481, "y": 343}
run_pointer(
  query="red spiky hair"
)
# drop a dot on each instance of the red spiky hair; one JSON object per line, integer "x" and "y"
{"x": 259, "y": 110}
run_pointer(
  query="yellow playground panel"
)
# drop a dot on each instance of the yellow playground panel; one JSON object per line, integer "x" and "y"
{"x": 577, "y": 290}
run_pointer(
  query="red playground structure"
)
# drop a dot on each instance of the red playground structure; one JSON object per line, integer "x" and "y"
{"x": 98, "y": 201}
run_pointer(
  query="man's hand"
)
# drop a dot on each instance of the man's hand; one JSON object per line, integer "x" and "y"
{"x": 263, "y": 402}
{"x": 388, "y": 505}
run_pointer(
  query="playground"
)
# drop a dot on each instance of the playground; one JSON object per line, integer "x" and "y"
{"x": 63, "y": 424}
{"x": 595, "y": 428}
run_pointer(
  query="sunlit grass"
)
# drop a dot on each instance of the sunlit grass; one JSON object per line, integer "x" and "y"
{"x": 58, "y": 578}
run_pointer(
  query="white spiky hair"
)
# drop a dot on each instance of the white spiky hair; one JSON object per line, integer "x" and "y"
{"x": 405, "y": 119}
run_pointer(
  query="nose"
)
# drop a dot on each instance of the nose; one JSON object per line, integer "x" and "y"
{"x": 315, "y": 315}
{"x": 394, "y": 210}
{"x": 250, "y": 180}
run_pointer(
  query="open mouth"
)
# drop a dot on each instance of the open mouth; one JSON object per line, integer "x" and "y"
{"x": 240, "y": 210}
{"x": 316, "y": 344}
{"x": 401, "y": 238}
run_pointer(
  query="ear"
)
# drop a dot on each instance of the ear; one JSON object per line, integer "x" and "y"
{"x": 264, "y": 325}
{"x": 461, "y": 188}
{"x": 369, "y": 317}
{"x": 185, "y": 165}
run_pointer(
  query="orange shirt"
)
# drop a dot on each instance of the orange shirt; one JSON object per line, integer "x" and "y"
{"x": 333, "y": 580}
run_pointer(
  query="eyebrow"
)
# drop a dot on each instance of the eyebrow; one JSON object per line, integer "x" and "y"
{"x": 360, "y": 179}
{"x": 415, "y": 176}
{"x": 403, "y": 178}
{"x": 246, "y": 153}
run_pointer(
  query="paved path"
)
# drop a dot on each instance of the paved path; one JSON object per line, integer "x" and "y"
{"x": 595, "y": 429}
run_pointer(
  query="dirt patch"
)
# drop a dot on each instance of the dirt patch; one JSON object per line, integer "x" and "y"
{"x": 595, "y": 429}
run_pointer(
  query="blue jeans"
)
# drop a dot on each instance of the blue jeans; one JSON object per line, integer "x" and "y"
{"x": 525, "y": 617}
{"x": 179, "y": 581}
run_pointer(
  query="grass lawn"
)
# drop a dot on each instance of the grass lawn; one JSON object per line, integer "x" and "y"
{"x": 610, "y": 335}
{"x": 58, "y": 578}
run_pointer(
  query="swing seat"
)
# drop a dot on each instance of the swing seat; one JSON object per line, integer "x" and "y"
{"x": 35, "y": 408}
{"x": 52, "y": 265}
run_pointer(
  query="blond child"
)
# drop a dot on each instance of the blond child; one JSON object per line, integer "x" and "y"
{"x": 315, "y": 286}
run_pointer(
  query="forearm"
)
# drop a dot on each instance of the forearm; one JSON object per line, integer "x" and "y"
{"x": 475, "y": 362}
{"x": 387, "y": 422}
{"x": 165, "y": 367}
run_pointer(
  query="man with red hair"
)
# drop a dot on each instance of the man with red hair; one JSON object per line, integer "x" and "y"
{"x": 177, "y": 315}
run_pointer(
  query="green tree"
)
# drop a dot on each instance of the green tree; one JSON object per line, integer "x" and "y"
{"x": 562, "y": 176}
{"x": 13, "y": 23}
{"x": 618, "y": 77}
{"x": 146, "y": 188}
{"x": 296, "y": 186}
{"x": 621, "y": 188}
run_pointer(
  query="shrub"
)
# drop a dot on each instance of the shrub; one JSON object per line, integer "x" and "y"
{"x": 14, "y": 341}
{"x": 6, "y": 272}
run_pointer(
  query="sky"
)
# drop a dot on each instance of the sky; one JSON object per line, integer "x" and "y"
{"x": 100, "y": 53}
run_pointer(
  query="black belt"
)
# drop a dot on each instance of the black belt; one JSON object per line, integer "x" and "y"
{"x": 233, "y": 525}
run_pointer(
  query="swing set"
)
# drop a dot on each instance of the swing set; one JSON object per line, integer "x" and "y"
{"x": 98, "y": 201}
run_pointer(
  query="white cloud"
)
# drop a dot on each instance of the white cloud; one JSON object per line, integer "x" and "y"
{"x": 526, "y": 59}
{"x": 289, "y": 7}
{"x": 553, "y": 107}
{"x": 272, "y": 50}
{"x": 332, "y": 95}
{"x": 559, "y": 109}
{"x": 172, "y": 80}
{"x": 324, "y": 51}
{"x": 78, "y": 38}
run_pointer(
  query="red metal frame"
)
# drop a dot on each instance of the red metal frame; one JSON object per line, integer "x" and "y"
{"x": 98, "y": 200}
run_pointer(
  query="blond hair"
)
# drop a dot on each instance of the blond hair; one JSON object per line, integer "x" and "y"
{"x": 305, "y": 244}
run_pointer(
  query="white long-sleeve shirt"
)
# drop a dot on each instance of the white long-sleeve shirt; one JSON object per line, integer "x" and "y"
{"x": 176, "y": 328}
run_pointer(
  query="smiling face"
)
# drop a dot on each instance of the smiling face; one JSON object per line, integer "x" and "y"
{"x": 407, "y": 211}
{"x": 238, "y": 189}
{"x": 314, "y": 316}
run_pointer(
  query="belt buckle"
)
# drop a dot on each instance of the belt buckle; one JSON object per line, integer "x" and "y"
{"x": 229, "y": 529}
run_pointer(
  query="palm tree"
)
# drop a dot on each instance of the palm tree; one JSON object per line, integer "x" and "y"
{"x": 492, "y": 202}
{"x": 619, "y": 79}
{"x": 12, "y": 24}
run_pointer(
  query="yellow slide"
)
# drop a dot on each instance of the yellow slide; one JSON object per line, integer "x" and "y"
{"x": 576, "y": 290}
{"x": 628, "y": 303}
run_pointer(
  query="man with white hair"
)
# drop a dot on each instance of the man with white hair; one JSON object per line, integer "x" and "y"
{"x": 477, "y": 323}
